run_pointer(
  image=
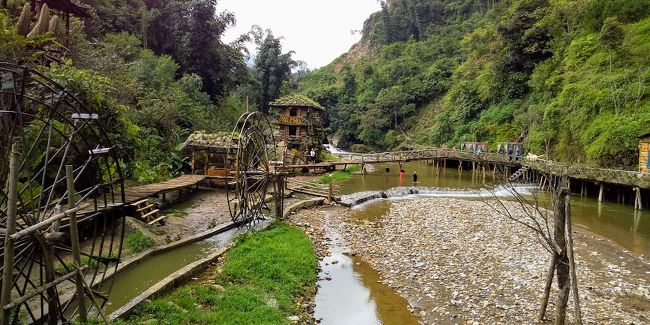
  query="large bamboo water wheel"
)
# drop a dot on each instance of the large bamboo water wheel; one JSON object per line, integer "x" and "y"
{"x": 254, "y": 172}
{"x": 52, "y": 146}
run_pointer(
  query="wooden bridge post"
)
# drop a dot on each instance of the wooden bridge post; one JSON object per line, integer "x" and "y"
{"x": 637, "y": 199}
{"x": 74, "y": 241}
{"x": 281, "y": 184}
{"x": 329, "y": 193}
{"x": 12, "y": 208}
{"x": 601, "y": 192}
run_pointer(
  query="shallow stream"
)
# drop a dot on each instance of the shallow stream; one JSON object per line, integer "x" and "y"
{"x": 354, "y": 295}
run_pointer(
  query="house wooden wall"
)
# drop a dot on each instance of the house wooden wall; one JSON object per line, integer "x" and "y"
{"x": 644, "y": 149}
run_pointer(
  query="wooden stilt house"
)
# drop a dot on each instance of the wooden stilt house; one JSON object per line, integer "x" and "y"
{"x": 298, "y": 125}
{"x": 213, "y": 154}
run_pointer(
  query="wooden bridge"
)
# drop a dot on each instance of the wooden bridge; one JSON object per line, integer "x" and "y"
{"x": 428, "y": 154}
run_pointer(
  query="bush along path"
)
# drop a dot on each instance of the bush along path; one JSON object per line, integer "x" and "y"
{"x": 268, "y": 277}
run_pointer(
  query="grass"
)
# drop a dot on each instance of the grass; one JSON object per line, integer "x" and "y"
{"x": 339, "y": 175}
{"x": 137, "y": 241}
{"x": 263, "y": 277}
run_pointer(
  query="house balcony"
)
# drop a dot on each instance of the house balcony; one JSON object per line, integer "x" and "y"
{"x": 295, "y": 120}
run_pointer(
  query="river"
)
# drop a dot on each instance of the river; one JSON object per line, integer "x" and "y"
{"x": 355, "y": 296}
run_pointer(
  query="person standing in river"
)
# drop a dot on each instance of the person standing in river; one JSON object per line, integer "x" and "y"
{"x": 415, "y": 177}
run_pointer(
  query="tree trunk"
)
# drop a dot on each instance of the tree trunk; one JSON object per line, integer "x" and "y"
{"x": 562, "y": 265}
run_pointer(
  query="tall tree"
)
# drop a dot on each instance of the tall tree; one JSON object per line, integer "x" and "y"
{"x": 190, "y": 31}
{"x": 272, "y": 69}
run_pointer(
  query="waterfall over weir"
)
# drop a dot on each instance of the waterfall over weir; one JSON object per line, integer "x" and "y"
{"x": 501, "y": 191}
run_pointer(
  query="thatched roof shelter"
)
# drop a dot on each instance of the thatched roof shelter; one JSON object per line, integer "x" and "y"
{"x": 296, "y": 100}
{"x": 220, "y": 141}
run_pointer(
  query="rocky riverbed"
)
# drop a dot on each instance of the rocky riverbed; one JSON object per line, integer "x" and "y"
{"x": 457, "y": 262}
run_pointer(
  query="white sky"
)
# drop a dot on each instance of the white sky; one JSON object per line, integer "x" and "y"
{"x": 318, "y": 31}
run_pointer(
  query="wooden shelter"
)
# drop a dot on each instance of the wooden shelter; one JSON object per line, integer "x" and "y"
{"x": 299, "y": 122}
{"x": 213, "y": 154}
{"x": 475, "y": 146}
{"x": 514, "y": 150}
{"x": 644, "y": 153}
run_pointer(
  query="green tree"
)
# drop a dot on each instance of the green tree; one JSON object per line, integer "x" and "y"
{"x": 272, "y": 69}
{"x": 190, "y": 31}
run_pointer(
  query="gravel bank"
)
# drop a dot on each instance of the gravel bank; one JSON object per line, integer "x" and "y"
{"x": 458, "y": 263}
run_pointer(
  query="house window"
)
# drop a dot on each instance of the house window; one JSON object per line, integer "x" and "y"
{"x": 293, "y": 112}
{"x": 292, "y": 131}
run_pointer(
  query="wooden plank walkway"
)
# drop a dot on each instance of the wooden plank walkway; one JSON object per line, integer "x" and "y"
{"x": 137, "y": 193}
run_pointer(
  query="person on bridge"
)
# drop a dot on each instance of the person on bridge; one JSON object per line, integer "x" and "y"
{"x": 312, "y": 156}
{"x": 415, "y": 177}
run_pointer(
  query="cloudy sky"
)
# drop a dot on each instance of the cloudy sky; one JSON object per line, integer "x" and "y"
{"x": 317, "y": 30}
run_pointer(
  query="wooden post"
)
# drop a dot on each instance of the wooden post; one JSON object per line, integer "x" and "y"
{"x": 193, "y": 161}
{"x": 562, "y": 266}
{"x": 572, "y": 264}
{"x": 279, "y": 197}
{"x": 48, "y": 262}
{"x": 12, "y": 210}
{"x": 637, "y": 199}
{"x": 601, "y": 192}
{"x": 329, "y": 193}
{"x": 547, "y": 289}
{"x": 74, "y": 240}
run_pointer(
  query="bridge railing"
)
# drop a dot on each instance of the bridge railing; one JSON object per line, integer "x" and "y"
{"x": 614, "y": 176}
{"x": 425, "y": 154}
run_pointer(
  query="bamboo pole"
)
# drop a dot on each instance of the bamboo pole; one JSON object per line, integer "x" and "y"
{"x": 74, "y": 239}
{"x": 12, "y": 208}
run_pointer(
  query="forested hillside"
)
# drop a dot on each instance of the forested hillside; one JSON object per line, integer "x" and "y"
{"x": 155, "y": 70}
{"x": 571, "y": 78}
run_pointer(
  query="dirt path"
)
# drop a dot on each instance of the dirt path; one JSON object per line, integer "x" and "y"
{"x": 204, "y": 209}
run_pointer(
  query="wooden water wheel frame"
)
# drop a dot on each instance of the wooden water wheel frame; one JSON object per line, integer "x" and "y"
{"x": 57, "y": 147}
{"x": 253, "y": 168}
